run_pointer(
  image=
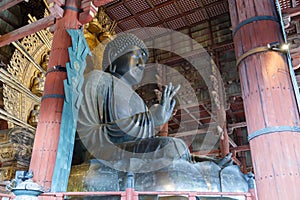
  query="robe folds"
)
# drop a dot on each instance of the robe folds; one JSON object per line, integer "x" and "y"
{"x": 116, "y": 127}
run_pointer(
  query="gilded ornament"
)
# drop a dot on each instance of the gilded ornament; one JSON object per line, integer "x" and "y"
{"x": 99, "y": 30}
{"x": 6, "y": 173}
{"x": 11, "y": 100}
{"x": 45, "y": 60}
{"x": 6, "y": 153}
{"x": 38, "y": 84}
{"x": 33, "y": 118}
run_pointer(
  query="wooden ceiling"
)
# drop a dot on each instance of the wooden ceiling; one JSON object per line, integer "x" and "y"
{"x": 173, "y": 14}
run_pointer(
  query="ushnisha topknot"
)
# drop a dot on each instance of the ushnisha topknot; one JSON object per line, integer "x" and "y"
{"x": 119, "y": 45}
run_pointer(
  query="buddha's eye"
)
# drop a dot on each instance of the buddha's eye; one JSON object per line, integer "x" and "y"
{"x": 134, "y": 56}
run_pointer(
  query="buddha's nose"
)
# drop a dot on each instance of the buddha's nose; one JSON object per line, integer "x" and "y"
{"x": 141, "y": 66}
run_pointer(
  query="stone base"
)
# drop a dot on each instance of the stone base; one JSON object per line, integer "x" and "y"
{"x": 204, "y": 176}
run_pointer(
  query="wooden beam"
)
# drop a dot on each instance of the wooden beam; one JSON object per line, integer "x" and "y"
{"x": 218, "y": 152}
{"x": 233, "y": 126}
{"x": 291, "y": 11}
{"x": 236, "y": 161}
{"x": 9, "y": 21}
{"x": 6, "y": 4}
{"x": 233, "y": 144}
{"x": 26, "y": 30}
{"x": 194, "y": 132}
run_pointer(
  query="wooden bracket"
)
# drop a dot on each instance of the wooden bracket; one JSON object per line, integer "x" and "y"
{"x": 89, "y": 11}
{"x": 55, "y": 7}
{"x": 58, "y": 2}
{"x": 99, "y": 3}
{"x": 236, "y": 161}
{"x": 234, "y": 158}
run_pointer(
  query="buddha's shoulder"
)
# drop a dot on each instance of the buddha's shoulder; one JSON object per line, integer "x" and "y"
{"x": 97, "y": 76}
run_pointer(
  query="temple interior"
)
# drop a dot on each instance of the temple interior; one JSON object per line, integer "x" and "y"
{"x": 193, "y": 43}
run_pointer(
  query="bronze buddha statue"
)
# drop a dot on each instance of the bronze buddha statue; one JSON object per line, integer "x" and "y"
{"x": 114, "y": 123}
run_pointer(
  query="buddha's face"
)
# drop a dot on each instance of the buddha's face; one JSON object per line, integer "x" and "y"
{"x": 130, "y": 66}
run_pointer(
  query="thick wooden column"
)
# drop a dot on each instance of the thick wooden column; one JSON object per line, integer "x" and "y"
{"x": 270, "y": 107}
{"x": 47, "y": 134}
{"x": 164, "y": 130}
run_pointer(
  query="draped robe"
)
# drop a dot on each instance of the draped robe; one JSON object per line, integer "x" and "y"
{"x": 114, "y": 124}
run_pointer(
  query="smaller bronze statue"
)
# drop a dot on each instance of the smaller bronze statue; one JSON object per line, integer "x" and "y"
{"x": 33, "y": 118}
{"x": 38, "y": 84}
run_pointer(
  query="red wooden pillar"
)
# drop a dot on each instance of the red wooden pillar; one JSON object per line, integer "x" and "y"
{"x": 242, "y": 157}
{"x": 269, "y": 100}
{"x": 164, "y": 130}
{"x": 224, "y": 143}
{"x": 47, "y": 134}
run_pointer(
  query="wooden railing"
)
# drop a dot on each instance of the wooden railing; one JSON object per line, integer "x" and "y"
{"x": 131, "y": 194}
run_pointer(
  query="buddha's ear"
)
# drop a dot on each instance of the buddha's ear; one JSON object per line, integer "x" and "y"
{"x": 112, "y": 53}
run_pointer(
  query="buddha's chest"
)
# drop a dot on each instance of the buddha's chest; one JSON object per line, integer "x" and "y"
{"x": 126, "y": 102}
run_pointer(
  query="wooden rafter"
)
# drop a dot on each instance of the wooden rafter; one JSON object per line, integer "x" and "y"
{"x": 6, "y": 4}
{"x": 26, "y": 30}
{"x": 241, "y": 148}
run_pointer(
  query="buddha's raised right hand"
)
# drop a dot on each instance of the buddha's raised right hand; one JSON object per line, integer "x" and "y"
{"x": 162, "y": 112}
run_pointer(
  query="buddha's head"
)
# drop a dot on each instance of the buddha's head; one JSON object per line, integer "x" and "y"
{"x": 125, "y": 57}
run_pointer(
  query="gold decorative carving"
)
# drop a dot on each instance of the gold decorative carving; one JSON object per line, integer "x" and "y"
{"x": 6, "y": 173}
{"x": 23, "y": 64}
{"x": 30, "y": 43}
{"x": 17, "y": 100}
{"x": 20, "y": 48}
{"x": 3, "y": 136}
{"x": 38, "y": 54}
{"x": 26, "y": 71}
{"x": 44, "y": 35}
{"x": 6, "y": 153}
{"x": 11, "y": 100}
{"x": 15, "y": 68}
